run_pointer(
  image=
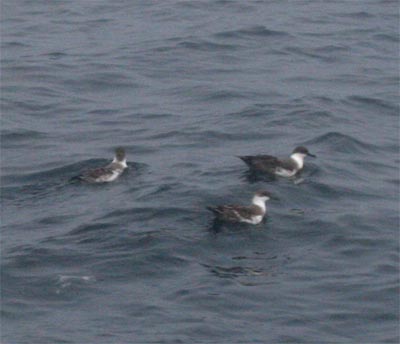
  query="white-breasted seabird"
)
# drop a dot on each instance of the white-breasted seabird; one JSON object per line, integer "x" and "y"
{"x": 252, "y": 214}
{"x": 107, "y": 173}
{"x": 285, "y": 167}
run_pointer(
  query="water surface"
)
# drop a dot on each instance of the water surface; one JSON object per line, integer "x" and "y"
{"x": 185, "y": 87}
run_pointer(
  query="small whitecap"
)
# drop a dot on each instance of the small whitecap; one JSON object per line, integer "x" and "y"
{"x": 66, "y": 281}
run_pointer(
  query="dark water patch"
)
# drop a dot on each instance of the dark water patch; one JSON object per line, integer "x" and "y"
{"x": 350, "y": 79}
{"x": 313, "y": 229}
{"x": 329, "y": 54}
{"x": 54, "y": 220}
{"x": 88, "y": 229}
{"x": 235, "y": 271}
{"x": 106, "y": 112}
{"x": 152, "y": 191}
{"x": 119, "y": 123}
{"x": 31, "y": 258}
{"x": 57, "y": 55}
{"x": 106, "y": 81}
{"x": 330, "y": 49}
{"x": 33, "y": 106}
{"x": 224, "y": 95}
{"x": 204, "y": 138}
{"x": 394, "y": 182}
{"x": 352, "y": 247}
{"x": 19, "y": 136}
{"x": 148, "y": 215}
{"x": 48, "y": 177}
{"x": 218, "y": 5}
{"x": 387, "y": 269}
{"x": 155, "y": 116}
{"x": 373, "y": 167}
{"x": 369, "y": 102}
{"x": 203, "y": 45}
{"x": 33, "y": 187}
{"x": 255, "y": 177}
{"x": 387, "y": 37}
{"x": 48, "y": 289}
{"x": 259, "y": 31}
{"x": 218, "y": 227}
{"x": 141, "y": 310}
{"x": 200, "y": 93}
{"x": 30, "y": 70}
{"x": 111, "y": 240}
{"x": 131, "y": 214}
{"x": 143, "y": 264}
{"x": 126, "y": 243}
{"x": 13, "y": 44}
{"x": 98, "y": 22}
{"x": 337, "y": 192}
{"x": 170, "y": 134}
{"x": 258, "y": 111}
{"x": 342, "y": 143}
{"x": 357, "y": 15}
{"x": 304, "y": 117}
{"x": 186, "y": 165}
{"x": 321, "y": 100}
{"x": 29, "y": 194}
{"x": 43, "y": 91}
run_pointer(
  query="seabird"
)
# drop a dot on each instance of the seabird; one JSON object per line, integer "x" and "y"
{"x": 237, "y": 213}
{"x": 107, "y": 173}
{"x": 286, "y": 167}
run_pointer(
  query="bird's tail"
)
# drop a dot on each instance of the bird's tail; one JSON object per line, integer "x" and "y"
{"x": 247, "y": 159}
{"x": 76, "y": 179}
{"x": 213, "y": 209}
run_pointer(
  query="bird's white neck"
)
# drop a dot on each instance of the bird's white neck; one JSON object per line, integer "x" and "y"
{"x": 260, "y": 202}
{"x": 121, "y": 162}
{"x": 299, "y": 159}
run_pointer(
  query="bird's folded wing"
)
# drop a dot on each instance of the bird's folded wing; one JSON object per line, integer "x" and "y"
{"x": 98, "y": 172}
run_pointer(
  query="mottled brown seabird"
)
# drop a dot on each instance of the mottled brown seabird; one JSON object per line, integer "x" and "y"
{"x": 252, "y": 214}
{"x": 284, "y": 167}
{"x": 107, "y": 173}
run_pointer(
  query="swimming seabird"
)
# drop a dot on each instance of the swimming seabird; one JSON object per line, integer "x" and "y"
{"x": 107, "y": 173}
{"x": 286, "y": 167}
{"x": 237, "y": 213}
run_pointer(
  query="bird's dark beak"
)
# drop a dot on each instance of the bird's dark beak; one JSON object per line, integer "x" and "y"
{"x": 311, "y": 155}
{"x": 273, "y": 196}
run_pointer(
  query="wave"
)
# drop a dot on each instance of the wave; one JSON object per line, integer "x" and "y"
{"x": 255, "y": 31}
{"x": 206, "y": 45}
{"x": 20, "y": 189}
{"x": 375, "y": 102}
{"x": 101, "y": 82}
{"x": 339, "y": 142}
{"x": 330, "y": 53}
{"x": 206, "y": 138}
{"x": 49, "y": 176}
{"x": 20, "y": 135}
{"x": 62, "y": 173}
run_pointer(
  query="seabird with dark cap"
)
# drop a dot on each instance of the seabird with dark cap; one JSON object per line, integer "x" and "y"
{"x": 285, "y": 167}
{"x": 107, "y": 173}
{"x": 252, "y": 214}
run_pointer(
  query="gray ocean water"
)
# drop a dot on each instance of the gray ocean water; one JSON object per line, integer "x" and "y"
{"x": 185, "y": 87}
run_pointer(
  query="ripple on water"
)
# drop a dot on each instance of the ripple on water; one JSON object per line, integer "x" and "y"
{"x": 259, "y": 31}
{"x": 377, "y": 103}
{"x": 343, "y": 143}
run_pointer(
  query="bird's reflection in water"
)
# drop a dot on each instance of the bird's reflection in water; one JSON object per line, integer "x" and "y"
{"x": 253, "y": 177}
{"x": 217, "y": 226}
